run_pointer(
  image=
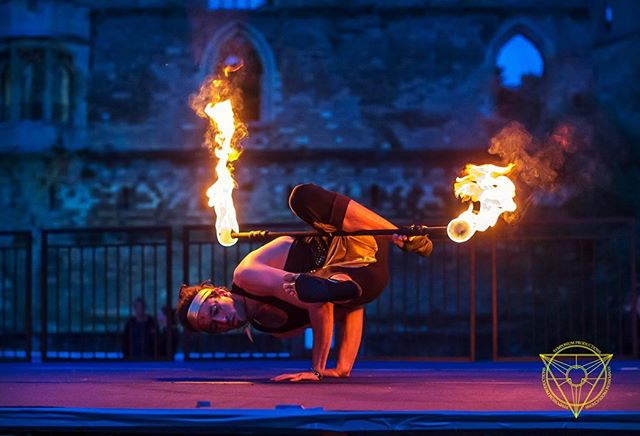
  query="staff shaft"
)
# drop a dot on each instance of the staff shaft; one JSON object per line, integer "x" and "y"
{"x": 268, "y": 234}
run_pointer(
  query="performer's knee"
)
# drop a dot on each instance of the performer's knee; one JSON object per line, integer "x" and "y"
{"x": 314, "y": 204}
{"x": 301, "y": 195}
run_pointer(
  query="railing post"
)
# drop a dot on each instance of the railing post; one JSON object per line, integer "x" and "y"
{"x": 43, "y": 294}
{"x": 171, "y": 318}
{"x": 472, "y": 303}
{"x": 28, "y": 295}
{"x": 634, "y": 291}
{"x": 494, "y": 298}
{"x": 185, "y": 279}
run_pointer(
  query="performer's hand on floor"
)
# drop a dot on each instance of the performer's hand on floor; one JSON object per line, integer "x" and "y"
{"x": 299, "y": 376}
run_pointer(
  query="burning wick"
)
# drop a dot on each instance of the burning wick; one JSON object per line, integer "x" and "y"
{"x": 460, "y": 230}
{"x": 220, "y": 193}
{"x": 489, "y": 186}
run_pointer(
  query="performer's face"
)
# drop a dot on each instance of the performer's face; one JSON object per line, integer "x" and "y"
{"x": 218, "y": 313}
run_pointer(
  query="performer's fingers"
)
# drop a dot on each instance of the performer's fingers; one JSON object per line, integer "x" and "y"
{"x": 281, "y": 377}
{"x": 399, "y": 240}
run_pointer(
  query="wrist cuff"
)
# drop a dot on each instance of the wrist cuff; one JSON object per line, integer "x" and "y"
{"x": 316, "y": 373}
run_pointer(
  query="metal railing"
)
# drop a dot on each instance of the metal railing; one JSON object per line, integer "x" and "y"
{"x": 15, "y": 295}
{"x": 427, "y": 310}
{"x": 563, "y": 281}
{"x": 510, "y": 293}
{"x": 90, "y": 279}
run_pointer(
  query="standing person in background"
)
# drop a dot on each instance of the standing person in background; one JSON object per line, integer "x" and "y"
{"x": 168, "y": 340}
{"x": 140, "y": 338}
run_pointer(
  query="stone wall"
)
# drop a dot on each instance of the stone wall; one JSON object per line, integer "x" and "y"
{"x": 383, "y": 103}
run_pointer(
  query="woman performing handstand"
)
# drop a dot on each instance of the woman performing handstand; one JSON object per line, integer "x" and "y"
{"x": 290, "y": 283}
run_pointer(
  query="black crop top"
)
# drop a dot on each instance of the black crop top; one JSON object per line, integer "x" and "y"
{"x": 296, "y": 317}
{"x": 305, "y": 254}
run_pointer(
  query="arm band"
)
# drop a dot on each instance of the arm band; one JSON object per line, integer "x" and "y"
{"x": 312, "y": 289}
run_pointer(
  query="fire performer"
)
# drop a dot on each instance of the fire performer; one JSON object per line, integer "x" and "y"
{"x": 290, "y": 283}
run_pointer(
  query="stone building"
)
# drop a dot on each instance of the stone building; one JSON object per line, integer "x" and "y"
{"x": 383, "y": 100}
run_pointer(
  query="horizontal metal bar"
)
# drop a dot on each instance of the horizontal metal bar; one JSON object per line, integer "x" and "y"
{"x": 151, "y": 229}
{"x": 267, "y": 234}
{"x": 23, "y": 233}
{"x": 122, "y": 245}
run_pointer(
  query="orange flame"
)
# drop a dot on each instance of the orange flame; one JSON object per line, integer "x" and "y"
{"x": 232, "y": 68}
{"x": 216, "y": 102}
{"x": 489, "y": 186}
{"x": 220, "y": 193}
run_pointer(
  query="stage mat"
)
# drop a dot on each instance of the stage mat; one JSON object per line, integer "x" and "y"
{"x": 228, "y": 396}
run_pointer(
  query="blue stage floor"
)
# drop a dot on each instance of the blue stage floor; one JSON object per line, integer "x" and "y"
{"x": 238, "y": 396}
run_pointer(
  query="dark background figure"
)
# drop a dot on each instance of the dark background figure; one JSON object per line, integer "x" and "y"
{"x": 168, "y": 338}
{"x": 140, "y": 338}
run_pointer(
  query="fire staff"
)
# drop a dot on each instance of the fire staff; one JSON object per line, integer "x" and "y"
{"x": 290, "y": 283}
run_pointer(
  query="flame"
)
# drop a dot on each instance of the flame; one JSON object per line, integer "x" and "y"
{"x": 216, "y": 101}
{"x": 220, "y": 193}
{"x": 233, "y": 66}
{"x": 489, "y": 186}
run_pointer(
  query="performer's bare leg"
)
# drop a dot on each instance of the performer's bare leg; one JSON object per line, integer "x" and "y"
{"x": 261, "y": 272}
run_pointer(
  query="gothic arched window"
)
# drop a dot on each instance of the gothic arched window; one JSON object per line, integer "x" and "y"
{"x": 62, "y": 79}
{"x": 249, "y": 77}
{"x": 517, "y": 58}
{"x": 520, "y": 65}
{"x": 608, "y": 17}
{"x": 32, "y": 84}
